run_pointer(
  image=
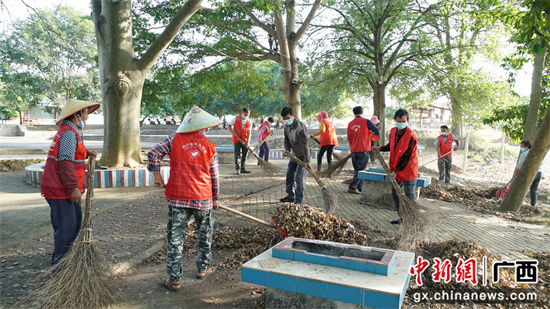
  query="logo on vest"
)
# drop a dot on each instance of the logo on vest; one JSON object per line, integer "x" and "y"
{"x": 355, "y": 128}
{"x": 194, "y": 153}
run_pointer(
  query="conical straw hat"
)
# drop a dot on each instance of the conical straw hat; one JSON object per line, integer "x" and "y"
{"x": 197, "y": 119}
{"x": 72, "y": 106}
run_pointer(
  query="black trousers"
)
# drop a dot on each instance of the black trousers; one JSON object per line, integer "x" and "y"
{"x": 328, "y": 149}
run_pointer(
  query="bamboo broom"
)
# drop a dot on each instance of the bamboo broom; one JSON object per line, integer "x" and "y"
{"x": 331, "y": 202}
{"x": 267, "y": 167}
{"x": 337, "y": 157}
{"x": 412, "y": 220}
{"x": 82, "y": 278}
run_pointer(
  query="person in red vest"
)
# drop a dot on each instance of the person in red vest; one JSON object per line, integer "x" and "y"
{"x": 62, "y": 181}
{"x": 263, "y": 132}
{"x": 373, "y": 137}
{"x": 359, "y": 146}
{"x": 445, "y": 144}
{"x": 403, "y": 158}
{"x": 240, "y": 126}
{"x": 328, "y": 138}
{"x": 192, "y": 191}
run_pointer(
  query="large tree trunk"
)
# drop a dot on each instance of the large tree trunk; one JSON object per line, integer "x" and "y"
{"x": 523, "y": 180}
{"x": 379, "y": 101}
{"x": 121, "y": 84}
{"x": 531, "y": 127}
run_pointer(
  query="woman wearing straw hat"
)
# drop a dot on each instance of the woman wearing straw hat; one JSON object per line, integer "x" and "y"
{"x": 192, "y": 190}
{"x": 328, "y": 138}
{"x": 63, "y": 179}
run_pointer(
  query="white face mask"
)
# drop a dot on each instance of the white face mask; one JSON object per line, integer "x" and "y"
{"x": 80, "y": 123}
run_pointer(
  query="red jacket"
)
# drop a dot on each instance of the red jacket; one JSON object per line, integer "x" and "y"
{"x": 240, "y": 130}
{"x": 266, "y": 132}
{"x": 51, "y": 185}
{"x": 329, "y": 136}
{"x": 359, "y": 135}
{"x": 446, "y": 147}
{"x": 190, "y": 167}
{"x": 410, "y": 172}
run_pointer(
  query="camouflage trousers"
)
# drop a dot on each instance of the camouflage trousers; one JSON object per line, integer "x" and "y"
{"x": 175, "y": 233}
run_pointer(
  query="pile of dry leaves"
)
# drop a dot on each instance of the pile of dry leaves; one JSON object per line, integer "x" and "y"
{"x": 479, "y": 199}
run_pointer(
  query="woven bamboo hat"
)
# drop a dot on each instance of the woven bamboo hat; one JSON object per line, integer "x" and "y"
{"x": 197, "y": 119}
{"x": 72, "y": 106}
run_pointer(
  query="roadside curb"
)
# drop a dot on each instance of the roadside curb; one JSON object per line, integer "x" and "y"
{"x": 120, "y": 267}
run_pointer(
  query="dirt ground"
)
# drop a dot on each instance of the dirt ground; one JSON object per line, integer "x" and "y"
{"x": 137, "y": 223}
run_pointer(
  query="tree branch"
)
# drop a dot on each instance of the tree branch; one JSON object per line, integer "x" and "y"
{"x": 255, "y": 19}
{"x": 308, "y": 20}
{"x": 168, "y": 35}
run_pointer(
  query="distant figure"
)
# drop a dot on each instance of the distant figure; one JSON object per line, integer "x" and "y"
{"x": 296, "y": 140}
{"x": 359, "y": 146}
{"x": 273, "y": 42}
{"x": 328, "y": 138}
{"x": 445, "y": 146}
{"x": 525, "y": 146}
{"x": 373, "y": 137}
{"x": 240, "y": 126}
{"x": 263, "y": 133}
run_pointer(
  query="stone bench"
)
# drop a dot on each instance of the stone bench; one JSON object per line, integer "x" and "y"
{"x": 377, "y": 187}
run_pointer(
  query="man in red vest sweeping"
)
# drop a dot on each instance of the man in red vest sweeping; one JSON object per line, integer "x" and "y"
{"x": 240, "y": 126}
{"x": 192, "y": 190}
{"x": 359, "y": 131}
{"x": 263, "y": 132}
{"x": 445, "y": 147}
{"x": 403, "y": 158}
{"x": 328, "y": 139}
{"x": 63, "y": 179}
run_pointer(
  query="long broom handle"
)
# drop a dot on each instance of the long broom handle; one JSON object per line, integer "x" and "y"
{"x": 319, "y": 143}
{"x": 246, "y": 216}
{"x": 436, "y": 158}
{"x": 293, "y": 157}
{"x": 247, "y": 147}
{"x": 89, "y": 190}
{"x": 394, "y": 183}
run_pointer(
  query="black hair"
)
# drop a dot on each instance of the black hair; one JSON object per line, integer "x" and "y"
{"x": 270, "y": 119}
{"x": 443, "y": 127}
{"x": 400, "y": 113}
{"x": 287, "y": 111}
{"x": 357, "y": 110}
{"x": 526, "y": 143}
{"x": 246, "y": 110}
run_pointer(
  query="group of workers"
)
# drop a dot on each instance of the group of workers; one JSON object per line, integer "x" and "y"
{"x": 193, "y": 187}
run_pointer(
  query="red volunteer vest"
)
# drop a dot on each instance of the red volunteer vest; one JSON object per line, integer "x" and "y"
{"x": 374, "y": 137}
{"x": 266, "y": 132}
{"x": 358, "y": 135}
{"x": 329, "y": 137}
{"x": 190, "y": 167}
{"x": 396, "y": 152}
{"x": 446, "y": 147}
{"x": 240, "y": 130}
{"x": 50, "y": 185}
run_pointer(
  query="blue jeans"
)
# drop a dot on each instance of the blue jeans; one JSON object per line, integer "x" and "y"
{"x": 534, "y": 188}
{"x": 296, "y": 177}
{"x": 359, "y": 161}
{"x": 264, "y": 152}
{"x": 66, "y": 219}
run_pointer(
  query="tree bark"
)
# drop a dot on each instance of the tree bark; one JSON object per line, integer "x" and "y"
{"x": 523, "y": 180}
{"x": 122, "y": 76}
{"x": 531, "y": 126}
{"x": 379, "y": 101}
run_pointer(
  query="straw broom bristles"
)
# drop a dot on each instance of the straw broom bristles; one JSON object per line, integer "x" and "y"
{"x": 331, "y": 202}
{"x": 413, "y": 221}
{"x": 82, "y": 278}
{"x": 267, "y": 167}
{"x": 335, "y": 168}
